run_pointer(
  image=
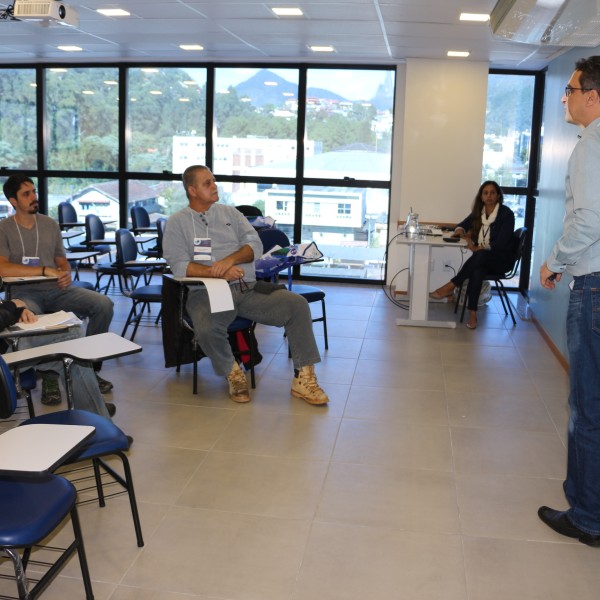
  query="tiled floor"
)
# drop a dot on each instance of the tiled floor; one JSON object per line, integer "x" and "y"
{"x": 420, "y": 480}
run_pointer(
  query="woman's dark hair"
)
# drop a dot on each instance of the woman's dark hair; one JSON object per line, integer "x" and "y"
{"x": 478, "y": 207}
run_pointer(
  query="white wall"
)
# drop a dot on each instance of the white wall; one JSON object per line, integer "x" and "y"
{"x": 438, "y": 146}
{"x": 559, "y": 138}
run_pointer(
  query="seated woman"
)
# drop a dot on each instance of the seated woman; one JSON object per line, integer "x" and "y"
{"x": 86, "y": 392}
{"x": 488, "y": 231}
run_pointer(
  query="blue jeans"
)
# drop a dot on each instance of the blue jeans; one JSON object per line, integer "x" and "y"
{"x": 582, "y": 485}
{"x": 281, "y": 309}
{"x": 96, "y": 307}
{"x": 86, "y": 393}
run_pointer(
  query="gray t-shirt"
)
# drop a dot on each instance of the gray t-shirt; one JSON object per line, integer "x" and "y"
{"x": 43, "y": 241}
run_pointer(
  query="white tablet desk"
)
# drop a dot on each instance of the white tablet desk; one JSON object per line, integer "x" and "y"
{"x": 418, "y": 278}
{"x": 40, "y": 447}
{"x": 90, "y": 349}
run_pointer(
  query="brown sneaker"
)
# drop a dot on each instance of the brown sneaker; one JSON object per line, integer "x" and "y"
{"x": 238, "y": 386}
{"x": 305, "y": 386}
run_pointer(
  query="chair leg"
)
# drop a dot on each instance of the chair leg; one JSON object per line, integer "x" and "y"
{"x": 98, "y": 479}
{"x": 85, "y": 572}
{"x": 325, "y": 324}
{"x": 504, "y": 297}
{"x": 127, "y": 483}
{"x": 20, "y": 575}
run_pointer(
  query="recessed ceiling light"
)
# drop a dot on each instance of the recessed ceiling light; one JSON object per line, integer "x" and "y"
{"x": 70, "y": 48}
{"x": 191, "y": 47}
{"x": 110, "y": 82}
{"x": 184, "y": 99}
{"x": 477, "y": 17}
{"x": 458, "y": 53}
{"x": 287, "y": 12}
{"x": 113, "y": 12}
{"x": 322, "y": 48}
{"x": 156, "y": 92}
{"x": 33, "y": 85}
{"x": 88, "y": 92}
{"x": 271, "y": 83}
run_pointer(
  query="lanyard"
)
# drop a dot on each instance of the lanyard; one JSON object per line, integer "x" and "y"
{"x": 37, "y": 237}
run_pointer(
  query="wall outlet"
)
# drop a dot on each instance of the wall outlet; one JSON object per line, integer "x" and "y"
{"x": 448, "y": 266}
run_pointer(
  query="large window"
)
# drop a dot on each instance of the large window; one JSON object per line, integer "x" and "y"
{"x": 82, "y": 118}
{"x": 349, "y": 118}
{"x": 508, "y": 129}
{"x": 167, "y": 114}
{"x": 511, "y": 149}
{"x": 308, "y": 146}
{"x": 18, "y": 128}
{"x": 256, "y": 122}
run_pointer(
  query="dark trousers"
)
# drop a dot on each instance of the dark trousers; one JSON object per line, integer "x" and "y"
{"x": 476, "y": 267}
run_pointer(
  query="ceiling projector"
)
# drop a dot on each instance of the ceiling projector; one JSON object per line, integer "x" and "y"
{"x": 51, "y": 11}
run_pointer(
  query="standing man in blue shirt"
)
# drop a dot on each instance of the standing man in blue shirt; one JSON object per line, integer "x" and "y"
{"x": 207, "y": 239}
{"x": 577, "y": 253}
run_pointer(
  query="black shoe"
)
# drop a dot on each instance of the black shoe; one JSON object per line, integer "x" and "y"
{"x": 50, "y": 390}
{"x": 105, "y": 386}
{"x": 111, "y": 408}
{"x": 560, "y": 522}
{"x": 129, "y": 440}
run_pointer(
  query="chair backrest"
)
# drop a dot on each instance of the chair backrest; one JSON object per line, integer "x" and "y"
{"x": 8, "y": 392}
{"x": 273, "y": 237}
{"x": 248, "y": 210}
{"x": 161, "y": 223}
{"x": 139, "y": 217}
{"x": 519, "y": 238}
{"x": 94, "y": 228}
{"x": 66, "y": 213}
{"x": 126, "y": 246}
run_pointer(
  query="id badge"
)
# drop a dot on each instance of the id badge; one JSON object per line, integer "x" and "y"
{"x": 202, "y": 250}
{"x": 31, "y": 261}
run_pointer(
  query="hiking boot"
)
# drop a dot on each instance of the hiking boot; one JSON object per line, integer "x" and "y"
{"x": 305, "y": 386}
{"x": 50, "y": 390}
{"x": 111, "y": 409}
{"x": 238, "y": 386}
{"x": 104, "y": 385}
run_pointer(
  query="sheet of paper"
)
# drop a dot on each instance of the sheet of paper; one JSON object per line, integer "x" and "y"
{"x": 50, "y": 321}
{"x": 219, "y": 294}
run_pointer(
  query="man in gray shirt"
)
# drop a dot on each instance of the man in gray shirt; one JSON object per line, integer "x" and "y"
{"x": 207, "y": 239}
{"x": 31, "y": 245}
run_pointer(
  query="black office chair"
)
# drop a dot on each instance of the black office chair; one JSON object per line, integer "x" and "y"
{"x": 128, "y": 281}
{"x": 31, "y": 508}
{"x": 95, "y": 234}
{"x": 249, "y": 210}
{"x": 519, "y": 238}
{"x": 140, "y": 220}
{"x": 180, "y": 345}
{"x": 67, "y": 219}
{"x": 311, "y": 293}
{"x": 156, "y": 251}
{"x": 108, "y": 441}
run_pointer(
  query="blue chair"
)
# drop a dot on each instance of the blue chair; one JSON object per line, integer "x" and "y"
{"x": 31, "y": 508}
{"x": 141, "y": 296}
{"x": 108, "y": 440}
{"x": 311, "y": 293}
{"x": 140, "y": 220}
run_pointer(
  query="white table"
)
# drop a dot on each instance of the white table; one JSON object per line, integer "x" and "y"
{"x": 89, "y": 349}
{"x": 418, "y": 278}
{"x": 40, "y": 447}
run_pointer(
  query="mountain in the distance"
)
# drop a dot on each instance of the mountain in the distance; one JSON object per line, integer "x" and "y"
{"x": 262, "y": 94}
